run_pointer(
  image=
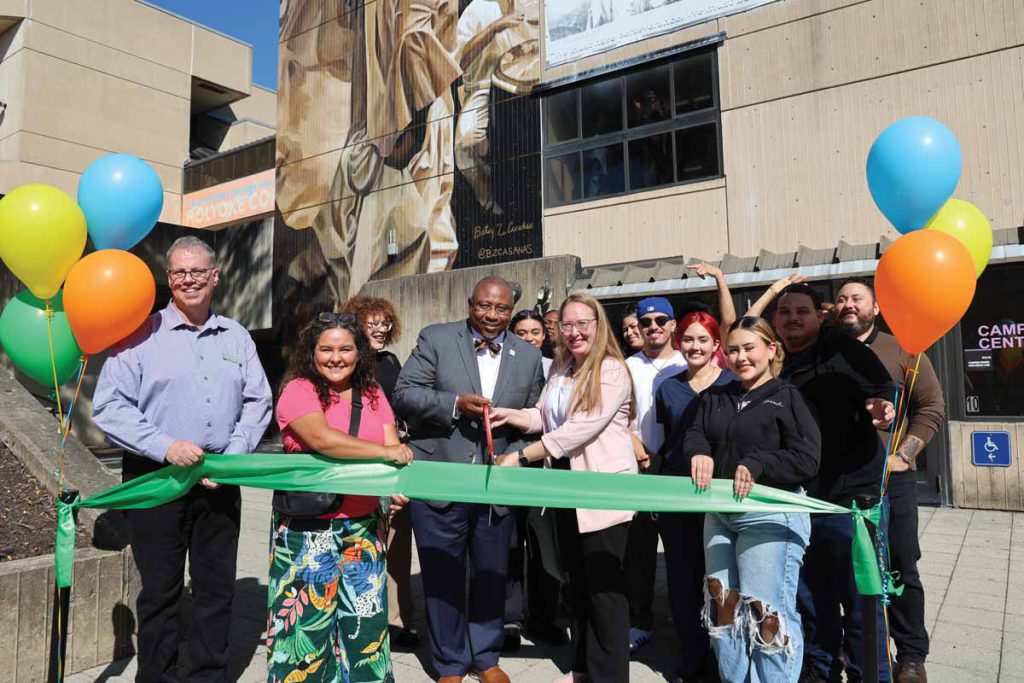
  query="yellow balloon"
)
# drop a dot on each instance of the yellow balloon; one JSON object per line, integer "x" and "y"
{"x": 968, "y": 224}
{"x": 42, "y": 234}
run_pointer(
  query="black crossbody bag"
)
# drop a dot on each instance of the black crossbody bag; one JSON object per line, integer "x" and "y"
{"x": 309, "y": 504}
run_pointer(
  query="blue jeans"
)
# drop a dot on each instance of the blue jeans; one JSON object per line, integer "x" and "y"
{"x": 831, "y": 607}
{"x": 756, "y": 558}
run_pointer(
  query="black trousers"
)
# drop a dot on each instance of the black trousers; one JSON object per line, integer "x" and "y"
{"x": 203, "y": 525}
{"x": 641, "y": 568}
{"x": 906, "y": 613}
{"x": 597, "y": 598}
{"x": 682, "y": 535}
{"x": 533, "y": 593}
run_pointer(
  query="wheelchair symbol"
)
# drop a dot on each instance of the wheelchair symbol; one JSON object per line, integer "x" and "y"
{"x": 990, "y": 448}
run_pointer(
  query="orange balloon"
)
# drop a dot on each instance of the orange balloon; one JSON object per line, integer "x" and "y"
{"x": 107, "y": 295}
{"x": 924, "y": 283}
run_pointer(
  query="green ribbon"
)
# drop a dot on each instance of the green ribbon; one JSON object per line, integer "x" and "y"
{"x": 461, "y": 483}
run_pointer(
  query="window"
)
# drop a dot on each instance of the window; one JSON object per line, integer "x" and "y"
{"x": 992, "y": 335}
{"x": 651, "y": 127}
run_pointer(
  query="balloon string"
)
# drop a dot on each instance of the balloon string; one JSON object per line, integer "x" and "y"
{"x": 53, "y": 364}
{"x": 78, "y": 388}
{"x": 888, "y": 446}
{"x": 902, "y": 415}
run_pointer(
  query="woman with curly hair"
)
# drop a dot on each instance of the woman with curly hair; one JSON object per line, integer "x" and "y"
{"x": 382, "y": 327}
{"x": 327, "y": 572}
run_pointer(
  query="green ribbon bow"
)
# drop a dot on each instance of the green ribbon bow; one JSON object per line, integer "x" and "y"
{"x": 461, "y": 483}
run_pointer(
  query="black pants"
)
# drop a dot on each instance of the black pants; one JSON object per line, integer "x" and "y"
{"x": 533, "y": 593}
{"x": 597, "y": 597}
{"x": 203, "y": 525}
{"x": 682, "y": 535}
{"x": 641, "y": 567}
{"x": 906, "y": 613}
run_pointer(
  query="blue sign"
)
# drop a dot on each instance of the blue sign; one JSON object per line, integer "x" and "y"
{"x": 990, "y": 449}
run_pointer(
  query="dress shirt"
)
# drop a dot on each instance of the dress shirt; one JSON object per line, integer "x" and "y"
{"x": 171, "y": 380}
{"x": 488, "y": 365}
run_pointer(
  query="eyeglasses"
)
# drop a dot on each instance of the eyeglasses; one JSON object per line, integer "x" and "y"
{"x": 198, "y": 274}
{"x": 382, "y": 325}
{"x": 579, "y": 325}
{"x": 337, "y": 318}
{"x": 487, "y": 307}
{"x": 660, "y": 321}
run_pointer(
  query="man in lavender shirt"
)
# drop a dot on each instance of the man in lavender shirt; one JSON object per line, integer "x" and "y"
{"x": 187, "y": 382}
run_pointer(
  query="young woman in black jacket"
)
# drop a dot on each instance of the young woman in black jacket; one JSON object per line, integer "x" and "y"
{"x": 757, "y": 429}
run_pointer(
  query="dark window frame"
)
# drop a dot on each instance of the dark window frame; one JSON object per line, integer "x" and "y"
{"x": 677, "y": 122}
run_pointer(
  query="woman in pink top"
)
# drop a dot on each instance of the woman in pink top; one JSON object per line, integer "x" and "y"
{"x": 584, "y": 412}
{"x": 328, "y": 618}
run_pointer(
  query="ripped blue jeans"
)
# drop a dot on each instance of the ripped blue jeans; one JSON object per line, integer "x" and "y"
{"x": 753, "y": 568}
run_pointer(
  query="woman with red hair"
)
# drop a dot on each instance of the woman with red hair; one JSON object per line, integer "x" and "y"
{"x": 698, "y": 337}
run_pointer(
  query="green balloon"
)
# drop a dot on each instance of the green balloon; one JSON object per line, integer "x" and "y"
{"x": 24, "y": 337}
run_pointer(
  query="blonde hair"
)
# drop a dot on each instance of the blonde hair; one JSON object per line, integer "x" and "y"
{"x": 763, "y": 330}
{"x": 586, "y": 394}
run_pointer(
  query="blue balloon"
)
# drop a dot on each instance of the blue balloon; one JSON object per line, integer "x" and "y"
{"x": 121, "y": 197}
{"x": 913, "y": 168}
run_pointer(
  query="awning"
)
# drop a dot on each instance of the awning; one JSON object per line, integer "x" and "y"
{"x": 670, "y": 275}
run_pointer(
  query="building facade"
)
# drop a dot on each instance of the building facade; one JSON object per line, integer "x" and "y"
{"x": 82, "y": 79}
{"x": 640, "y": 135}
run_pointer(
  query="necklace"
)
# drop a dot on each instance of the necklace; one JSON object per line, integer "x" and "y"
{"x": 664, "y": 364}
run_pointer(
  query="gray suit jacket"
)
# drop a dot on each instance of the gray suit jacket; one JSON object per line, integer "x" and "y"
{"x": 442, "y": 366}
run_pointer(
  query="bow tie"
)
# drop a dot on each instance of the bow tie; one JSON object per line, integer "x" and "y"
{"x": 492, "y": 346}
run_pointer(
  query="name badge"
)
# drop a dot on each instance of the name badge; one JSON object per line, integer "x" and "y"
{"x": 231, "y": 358}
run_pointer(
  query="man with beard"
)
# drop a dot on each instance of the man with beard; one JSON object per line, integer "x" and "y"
{"x": 847, "y": 388}
{"x": 856, "y": 310}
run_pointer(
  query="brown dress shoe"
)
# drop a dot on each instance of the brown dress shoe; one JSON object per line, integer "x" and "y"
{"x": 450, "y": 679}
{"x": 911, "y": 672}
{"x": 493, "y": 675}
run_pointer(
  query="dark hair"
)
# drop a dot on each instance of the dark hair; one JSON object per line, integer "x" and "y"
{"x": 863, "y": 282}
{"x": 303, "y": 361}
{"x": 631, "y": 310}
{"x": 546, "y": 348}
{"x": 366, "y": 306}
{"x": 807, "y": 290}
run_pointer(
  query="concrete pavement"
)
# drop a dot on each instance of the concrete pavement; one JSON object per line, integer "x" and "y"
{"x": 973, "y": 572}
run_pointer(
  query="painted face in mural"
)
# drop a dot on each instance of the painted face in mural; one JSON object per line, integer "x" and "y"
{"x": 797, "y": 321}
{"x": 490, "y": 308}
{"x": 856, "y": 308}
{"x": 531, "y": 331}
{"x": 192, "y": 279}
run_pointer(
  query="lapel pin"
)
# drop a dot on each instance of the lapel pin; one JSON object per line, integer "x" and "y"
{"x": 511, "y": 352}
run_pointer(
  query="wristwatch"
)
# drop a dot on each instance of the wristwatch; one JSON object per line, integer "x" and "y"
{"x": 523, "y": 460}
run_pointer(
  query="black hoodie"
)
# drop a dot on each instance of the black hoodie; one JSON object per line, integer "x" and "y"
{"x": 836, "y": 376}
{"x": 769, "y": 430}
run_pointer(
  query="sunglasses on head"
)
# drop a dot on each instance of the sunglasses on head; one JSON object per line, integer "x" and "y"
{"x": 660, "y": 321}
{"x": 337, "y": 318}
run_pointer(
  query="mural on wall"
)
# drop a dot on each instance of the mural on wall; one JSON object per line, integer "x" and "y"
{"x": 406, "y": 142}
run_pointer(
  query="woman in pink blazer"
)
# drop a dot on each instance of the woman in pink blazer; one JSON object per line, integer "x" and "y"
{"x": 584, "y": 413}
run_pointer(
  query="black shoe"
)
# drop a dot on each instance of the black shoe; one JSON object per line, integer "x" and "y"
{"x": 911, "y": 672}
{"x": 547, "y": 633}
{"x": 513, "y": 638}
{"x": 406, "y": 638}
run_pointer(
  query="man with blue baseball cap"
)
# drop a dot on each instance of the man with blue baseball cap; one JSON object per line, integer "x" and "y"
{"x": 655, "y": 362}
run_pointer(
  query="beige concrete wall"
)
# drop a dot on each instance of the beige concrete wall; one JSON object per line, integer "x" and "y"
{"x": 806, "y": 85}
{"x": 91, "y": 77}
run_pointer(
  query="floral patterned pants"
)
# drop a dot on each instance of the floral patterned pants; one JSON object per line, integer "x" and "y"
{"x": 328, "y": 601}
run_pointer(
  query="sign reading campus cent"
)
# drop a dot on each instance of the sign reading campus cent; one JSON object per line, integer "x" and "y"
{"x": 231, "y": 202}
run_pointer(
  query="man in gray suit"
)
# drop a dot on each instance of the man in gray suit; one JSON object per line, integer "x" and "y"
{"x": 454, "y": 371}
